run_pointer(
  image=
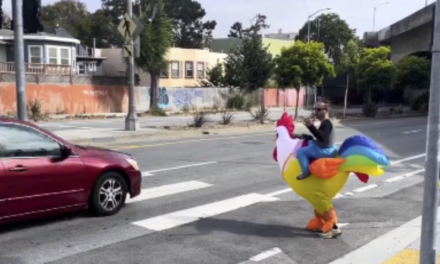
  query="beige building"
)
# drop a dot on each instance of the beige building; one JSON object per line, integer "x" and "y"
{"x": 187, "y": 66}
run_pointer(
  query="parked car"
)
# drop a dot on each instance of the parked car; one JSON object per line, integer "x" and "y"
{"x": 42, "y": 174}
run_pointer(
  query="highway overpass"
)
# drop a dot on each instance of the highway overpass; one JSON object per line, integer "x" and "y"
{"x": 411, "y": 35}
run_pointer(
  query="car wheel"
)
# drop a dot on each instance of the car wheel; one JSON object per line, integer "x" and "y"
{"x": 109, "y": 193}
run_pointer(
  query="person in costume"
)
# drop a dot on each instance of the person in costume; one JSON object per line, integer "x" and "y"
{"x": 357, "y": 154}
{"x": 324, "y": 144}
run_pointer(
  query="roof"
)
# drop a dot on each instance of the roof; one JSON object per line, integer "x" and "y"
{"x": 58, "y": 31}
{"x": 51, "y": 34}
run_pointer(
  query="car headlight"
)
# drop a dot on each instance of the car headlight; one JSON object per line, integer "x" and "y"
{"x": 133, "y": 163}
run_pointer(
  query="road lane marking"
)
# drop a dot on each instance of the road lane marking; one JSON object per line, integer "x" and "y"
{"x": 166, "y": 190}
{"x": 408, "y": 158}
{"x": 266, "y": 254}
{"x": 412, "y": 131}
{"x": 404, "y": 176}
{"x": 151, "y": 173}
{"x": 179, "y": 218}
{"x": 365, "y": 188}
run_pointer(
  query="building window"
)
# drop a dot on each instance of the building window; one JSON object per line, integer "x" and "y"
{"x": 59, "y": 55}
{"x": 165, "y": 73}
{"x": 200, "y": 69}
{"x": 35, "y": 54}
{"x": 80, "y": 67}
{"x": 189, "y": 69}
{"x": 92, "y": 66}
{"x": 175, "y": 69}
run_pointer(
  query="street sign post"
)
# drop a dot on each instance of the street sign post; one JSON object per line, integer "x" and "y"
{"x": 428, "y": 254}
{"x": 130, "y": 28}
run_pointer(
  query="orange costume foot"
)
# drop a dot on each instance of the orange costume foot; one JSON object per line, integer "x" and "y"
{"x": 325, "y": 223}
{"x": 316, "y": 224}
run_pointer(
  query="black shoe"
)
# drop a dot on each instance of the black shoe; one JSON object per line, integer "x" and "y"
{"x": 303, "y": 176}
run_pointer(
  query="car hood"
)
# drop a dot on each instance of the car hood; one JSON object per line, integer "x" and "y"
{"x": 93, "y": 150}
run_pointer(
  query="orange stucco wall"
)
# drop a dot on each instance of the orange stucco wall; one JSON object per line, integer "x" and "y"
{"x": 280, "y": 98}
{"x": 70, "y": 99}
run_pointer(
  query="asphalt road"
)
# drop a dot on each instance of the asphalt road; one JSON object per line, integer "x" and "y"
{"x": 222, "y": 201}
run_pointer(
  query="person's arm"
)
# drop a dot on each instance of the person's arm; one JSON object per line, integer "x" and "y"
{"x": 323, "y": 133}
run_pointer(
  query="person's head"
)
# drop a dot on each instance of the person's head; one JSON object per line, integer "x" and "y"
{"x": 322, "y": 110}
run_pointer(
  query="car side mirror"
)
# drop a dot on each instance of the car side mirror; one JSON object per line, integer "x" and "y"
{"x": 65, "y": 151}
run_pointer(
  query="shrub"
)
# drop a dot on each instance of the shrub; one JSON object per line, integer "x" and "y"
{"x": 260, "y": 114}
{"x": 420, "y": 101}
{"x": 199, "y": 118}
{"x": 35, "y": 110}
{"x": 369, "y": 109}
{"x": 235, "y": 102}
{"x": 156, "y": 111}
{"x": 227, "y": 117}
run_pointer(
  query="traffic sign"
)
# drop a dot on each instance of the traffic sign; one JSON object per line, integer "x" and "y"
{"x": 130, "y": 27}
{"x": 127, "y": 50}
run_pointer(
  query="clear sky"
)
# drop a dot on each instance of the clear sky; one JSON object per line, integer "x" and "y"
{"x": 290, "y": 15}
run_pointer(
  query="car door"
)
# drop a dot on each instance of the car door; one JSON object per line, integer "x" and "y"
{"x": 36, "y": 178}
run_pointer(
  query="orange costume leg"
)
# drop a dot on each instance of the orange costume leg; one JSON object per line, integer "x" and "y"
{"x": 316, "y": 223}
{"x": 329, "y": 229}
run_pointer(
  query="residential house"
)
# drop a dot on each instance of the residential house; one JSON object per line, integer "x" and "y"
{"x": 187, "y": 66}
{"x": 275, "y": 45}
{"x": 281, "y": 35}
{"x": 54, "y": 51}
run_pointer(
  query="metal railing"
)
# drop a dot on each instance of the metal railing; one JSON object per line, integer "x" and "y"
{"x": 37, "y": 68}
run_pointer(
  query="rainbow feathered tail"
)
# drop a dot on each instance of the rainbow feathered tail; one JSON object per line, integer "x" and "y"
{"x": 363, "y": 157}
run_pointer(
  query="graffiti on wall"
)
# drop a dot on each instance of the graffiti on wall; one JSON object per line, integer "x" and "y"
{"x": 180, "y": 97}
{"x": 185, "y": 97}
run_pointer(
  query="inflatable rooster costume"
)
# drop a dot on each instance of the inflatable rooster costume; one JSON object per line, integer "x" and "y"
{"x": 357, "y": 154}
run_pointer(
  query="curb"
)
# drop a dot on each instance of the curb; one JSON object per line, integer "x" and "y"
{"x": 379, "y": 118}
{"x": 161, "y": 134}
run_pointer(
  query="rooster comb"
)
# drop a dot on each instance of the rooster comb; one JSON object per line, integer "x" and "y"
{"x": 286, "y": 121}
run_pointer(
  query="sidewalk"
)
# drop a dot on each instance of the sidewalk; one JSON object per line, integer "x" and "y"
{"x": 411, "y": 254}
{"x": 399, "y": 246}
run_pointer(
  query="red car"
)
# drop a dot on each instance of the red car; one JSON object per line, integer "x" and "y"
{"x": 42, "y": 174}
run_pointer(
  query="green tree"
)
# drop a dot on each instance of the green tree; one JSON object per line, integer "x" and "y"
{"x": 6, "y": 21}
{"x": 214, "y": 77}
{"x": 349, "y": 61}
{"x": 302, "y": 64}
{"x": 155, "y": 41}
{"x": 249, "y": 65}
{"x": 103, "y": 30}
{"x": 331, "y": 30}
{"x": 72, "y": 15}
{"x": 189, "y": 29}
{"x": 375, "y": 71}
{"x": 413, "y": 72}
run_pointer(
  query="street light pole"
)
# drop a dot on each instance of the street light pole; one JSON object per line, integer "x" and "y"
{"x": 132, "y": 120}
{"x": 20, "y": 78}
{"x": 430, "y": 192}
{"x": 308, "y": 21}
{"x": 374, "y": 14}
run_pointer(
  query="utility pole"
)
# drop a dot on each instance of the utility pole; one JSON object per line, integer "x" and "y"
{"x": 132, "y": 120}
{"x": 20, "y": 78}
{"x": 428, "y": 253}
